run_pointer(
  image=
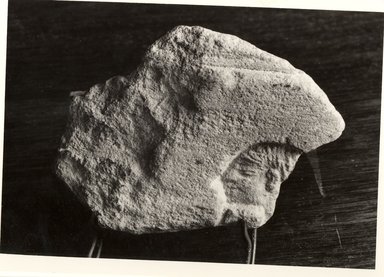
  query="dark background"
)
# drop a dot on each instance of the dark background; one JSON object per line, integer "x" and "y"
{"x": 58, "y": 47}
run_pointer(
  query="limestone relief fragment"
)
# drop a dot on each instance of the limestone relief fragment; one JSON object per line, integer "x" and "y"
{"x": 201, "y": 134}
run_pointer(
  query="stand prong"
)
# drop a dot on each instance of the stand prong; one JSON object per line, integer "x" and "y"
{"x": 97, "y": 243}
{"x": 90, "y": 253}
{"x": 251, "y": 257}
{"x": 100, "y": 247}
{"x": 246, "y": 234}
{"x": 254, "y": 240}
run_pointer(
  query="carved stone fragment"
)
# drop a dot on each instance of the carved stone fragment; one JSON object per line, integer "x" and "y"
{"x": 201, "y": 134}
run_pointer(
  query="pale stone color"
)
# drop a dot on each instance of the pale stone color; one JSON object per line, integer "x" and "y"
{"x": 201, "y": 134}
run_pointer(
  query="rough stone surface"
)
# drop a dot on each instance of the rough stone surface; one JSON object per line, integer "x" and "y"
{"x": 201, "y": 134}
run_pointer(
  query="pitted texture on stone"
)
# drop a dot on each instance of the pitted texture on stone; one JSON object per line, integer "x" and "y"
{"x": 201, "y": 134}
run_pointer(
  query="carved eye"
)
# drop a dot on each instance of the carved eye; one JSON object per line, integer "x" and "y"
{"x": 273, "y": 179}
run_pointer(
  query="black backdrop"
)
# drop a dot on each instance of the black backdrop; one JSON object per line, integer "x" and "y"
{"x": 57, "y": 47}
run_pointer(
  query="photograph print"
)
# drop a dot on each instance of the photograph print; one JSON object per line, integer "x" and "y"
{"x": 238, "y": 135}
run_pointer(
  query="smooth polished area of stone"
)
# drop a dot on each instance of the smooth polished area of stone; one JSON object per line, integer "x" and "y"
{"x": 201, "y": 134}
